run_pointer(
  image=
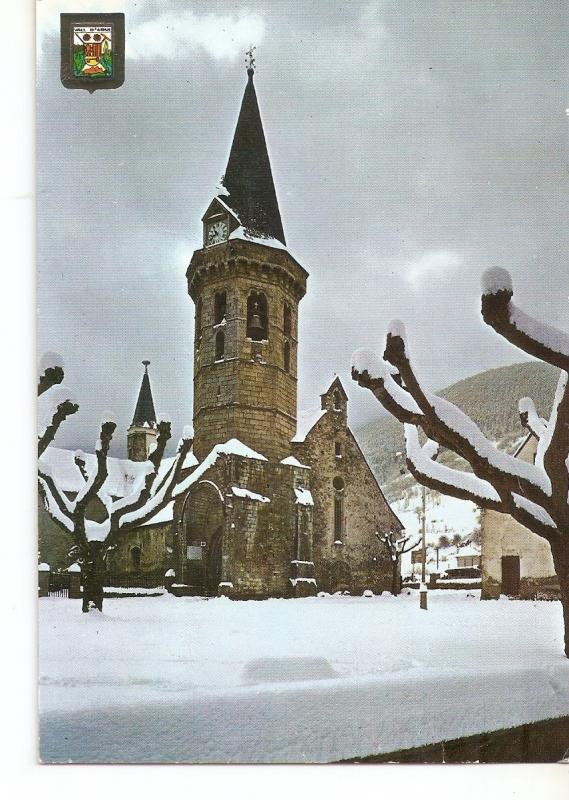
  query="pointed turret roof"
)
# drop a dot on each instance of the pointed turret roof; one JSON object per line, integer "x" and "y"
{"x": 144, "y": 411}
{"x": 248, "y": 177}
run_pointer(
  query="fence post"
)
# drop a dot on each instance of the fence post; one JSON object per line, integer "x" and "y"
{"x": 44, "y": 571}
{"x": 74, "y": 572}
{"x": 169, "y": 577}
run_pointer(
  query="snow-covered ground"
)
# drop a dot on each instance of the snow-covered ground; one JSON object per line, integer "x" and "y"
{"x": 308, "y": 680}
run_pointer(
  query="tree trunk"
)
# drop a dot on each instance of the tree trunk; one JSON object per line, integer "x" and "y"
{"x": 93, "y": 577}
{"x": 395, "y": 582}
{"x": 560, "y": 553}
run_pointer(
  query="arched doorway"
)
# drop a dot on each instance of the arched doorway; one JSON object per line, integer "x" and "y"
{"x": 214, "y": 552}
{"x": 202, "y": 521}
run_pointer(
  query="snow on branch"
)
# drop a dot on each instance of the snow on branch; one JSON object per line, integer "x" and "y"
{"x": 133, "y": 516}
{"x": 533, "y": 337}
{"x": 449, "y": 426}
{"x": 457, "y": 483}
{"x": 378, "y": 376}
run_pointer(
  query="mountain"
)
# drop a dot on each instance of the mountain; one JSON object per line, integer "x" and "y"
{"x": 490, "y": 398}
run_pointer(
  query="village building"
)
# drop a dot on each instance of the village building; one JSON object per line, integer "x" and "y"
{"x": 515, "y": 561}
{"x": 270, "y": 504}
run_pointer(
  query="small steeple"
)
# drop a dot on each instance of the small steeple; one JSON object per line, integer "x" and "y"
{"x": 144, "y": 411}
{"x": 248, "y": 177}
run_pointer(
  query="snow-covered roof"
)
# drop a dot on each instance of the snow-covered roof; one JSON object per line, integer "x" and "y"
{"x": 241, "y": 233}
{"x": 469, "y": 550}
{"x": 248, "y": 495}
{"x": 305, "y": 422}
{"x": 291, "y": 461}
{"x": 304, "y": 497}
{"x": 166, "y": 515}
{"x": 122, "y": 473}
{"x": 231, "y": 447}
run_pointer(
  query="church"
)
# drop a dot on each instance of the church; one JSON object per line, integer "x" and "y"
{"x": 272, "y": 503}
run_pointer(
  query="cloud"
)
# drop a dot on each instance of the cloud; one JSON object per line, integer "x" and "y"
{"x": 167, "y": 35}
{"x": 431, "y": 262}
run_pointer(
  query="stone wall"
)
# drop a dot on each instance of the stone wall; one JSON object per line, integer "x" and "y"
{"x": 356, "y": 561}
{"x": 152, "y": 541}
{"x": 261, "y": 540}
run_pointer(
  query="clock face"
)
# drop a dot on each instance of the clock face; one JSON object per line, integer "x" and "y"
{"x": 216, "y": 232}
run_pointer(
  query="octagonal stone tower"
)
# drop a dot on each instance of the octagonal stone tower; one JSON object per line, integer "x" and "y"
{"x": 246, "y": 288}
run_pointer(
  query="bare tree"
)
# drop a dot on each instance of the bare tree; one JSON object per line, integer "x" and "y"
{"x": 148, "y": 496}
{"x": 535, "y": 495}
{"x": 396, "y": 546}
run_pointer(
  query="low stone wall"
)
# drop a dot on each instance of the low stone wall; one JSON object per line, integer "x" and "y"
{"x": 545, "y": 742}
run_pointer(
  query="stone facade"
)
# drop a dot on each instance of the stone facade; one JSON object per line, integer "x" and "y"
{"x": 515, "y": 561}
{"x": 242, "y": 532}
{"x": 246, "y": 388}
{"x": 349, "y": 506}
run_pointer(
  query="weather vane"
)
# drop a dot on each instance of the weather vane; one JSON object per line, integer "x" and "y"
{"x": 250, "y": 59}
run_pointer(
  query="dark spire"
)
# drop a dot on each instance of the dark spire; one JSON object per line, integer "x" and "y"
{"x": 144, "y": 411}
{"x": 248, "y": 177}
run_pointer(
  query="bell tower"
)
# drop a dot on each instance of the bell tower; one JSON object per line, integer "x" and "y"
{"x": 142, "y": 432}
{"x": 246, "y": 288}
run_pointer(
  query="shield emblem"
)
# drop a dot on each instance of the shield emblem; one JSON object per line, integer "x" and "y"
{"x": 92, "y": 51}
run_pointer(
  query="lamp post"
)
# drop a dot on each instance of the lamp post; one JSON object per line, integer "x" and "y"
{"x": 423, "y": 586}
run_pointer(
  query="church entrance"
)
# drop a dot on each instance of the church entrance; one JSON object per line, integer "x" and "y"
{"x": 203, "y": 525}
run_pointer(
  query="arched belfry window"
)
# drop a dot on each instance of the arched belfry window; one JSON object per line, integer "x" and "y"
{"x": 337, "y": 400}
{"x": 219, "y": 345}
{"x": 257, "y": 317}
{"x": 198, "y": 332}
{"x": 286, "y": 356}
{"x": 287, "y": 320}
{"x": 220, "y": 307}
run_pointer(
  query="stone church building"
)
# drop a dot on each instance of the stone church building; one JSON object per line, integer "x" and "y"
{"x": 271, "y": 503}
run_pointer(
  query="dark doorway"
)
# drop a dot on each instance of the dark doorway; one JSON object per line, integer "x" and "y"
{"x": 511, "y": 575}
{"x": 214, "y": 562}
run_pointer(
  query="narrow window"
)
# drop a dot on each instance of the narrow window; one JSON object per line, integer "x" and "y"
{"x": 338, "y": 518}
{"x": 337, "y": 401}
{"x": 338, "y": 449}
{"x": 219, "y": 345}
{"x": 220, "y": 307}
{"x": 286, "y": 356}
{"x": 135, "y": 555}
{"x": 257, "y": 317}
{"x": 338, "y": 485}
{"x": 287, "y": 325}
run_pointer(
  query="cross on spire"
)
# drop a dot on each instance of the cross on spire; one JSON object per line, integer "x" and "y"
{"x": 250, "y": 59}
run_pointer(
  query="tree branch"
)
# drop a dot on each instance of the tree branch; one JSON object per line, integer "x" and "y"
{"x": 50, "y": 377}
{"x": 64, "y": 410}
{"x": 535, "y": 338}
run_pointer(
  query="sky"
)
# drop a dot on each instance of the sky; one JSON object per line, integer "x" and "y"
{"x": 412, "y": 144}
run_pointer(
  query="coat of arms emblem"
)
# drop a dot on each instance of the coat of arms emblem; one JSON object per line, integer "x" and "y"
{"x": 92, "y": 51}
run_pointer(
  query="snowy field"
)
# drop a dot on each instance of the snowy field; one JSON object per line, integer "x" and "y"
{"x": 312, "y": 680}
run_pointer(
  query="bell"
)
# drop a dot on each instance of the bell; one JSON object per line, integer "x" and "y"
{"x": 256, "y": 325}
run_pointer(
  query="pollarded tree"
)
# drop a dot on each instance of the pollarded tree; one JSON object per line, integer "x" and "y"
{"x": 149, "y": 494}
{"x": 396, "y": 545}
{"x": 535, "y": 495}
